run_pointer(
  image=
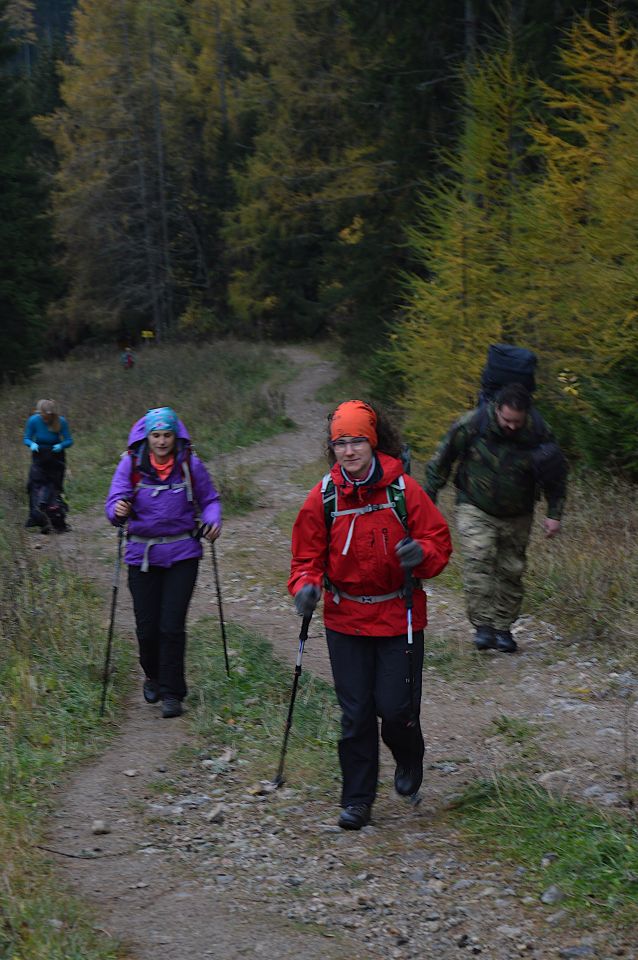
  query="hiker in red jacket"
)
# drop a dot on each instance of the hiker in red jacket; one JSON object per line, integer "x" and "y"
{"x": 364, "y": 533}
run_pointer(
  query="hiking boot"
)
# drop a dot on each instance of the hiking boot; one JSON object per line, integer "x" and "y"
{"x": 355, "y": 816}
{"x": 485, "y": 638}
{"x": 150, "y": 690}
{"x": 407, "y": 780}
{"x": 505, "y": 642}
{"x": 172, "y": 707}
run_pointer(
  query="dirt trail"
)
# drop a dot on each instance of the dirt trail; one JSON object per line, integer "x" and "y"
{"x": 150, "y": 893}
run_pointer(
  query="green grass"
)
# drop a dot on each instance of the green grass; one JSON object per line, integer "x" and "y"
{"x": 595, "y": 860}
{"x": 248, "y": 712}
{"x": 310, "y": 474}
{"x": 51, "y": 661}
{"x": 514, "y": 729}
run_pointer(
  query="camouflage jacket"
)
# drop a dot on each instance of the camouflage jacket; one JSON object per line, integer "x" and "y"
{"x": 496, "y": 472}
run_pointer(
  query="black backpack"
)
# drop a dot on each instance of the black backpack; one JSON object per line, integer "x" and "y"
{"x": 507, "y": 364}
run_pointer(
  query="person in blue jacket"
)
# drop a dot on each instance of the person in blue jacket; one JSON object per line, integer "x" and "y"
{"x": 47, "y": 435}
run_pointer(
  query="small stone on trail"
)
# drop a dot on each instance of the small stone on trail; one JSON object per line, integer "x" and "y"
{"x": 215, "y": 814}
{"x": 100, "y": 826}
{"x": 552, "y": 895}
{"x": 572, "y": 953}
{"x": 262, "y": 788}
{"x": 512, "y": 933}
{"x": 130, "y": 773}
{"x": 161, "y": 768}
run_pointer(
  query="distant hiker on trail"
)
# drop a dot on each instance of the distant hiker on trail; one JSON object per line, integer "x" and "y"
{"x": 506, "y": 454}
{"x": 368, "y": 533}
{"x": 127, "y": 358}
{"x": 158, "y": 487}
{"x": 47, "y": 435}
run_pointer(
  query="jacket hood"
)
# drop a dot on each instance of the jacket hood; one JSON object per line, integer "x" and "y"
{"x": 138, "y": 432}
{"x": 391, "y": 469}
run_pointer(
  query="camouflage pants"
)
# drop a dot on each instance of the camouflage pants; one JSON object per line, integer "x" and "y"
{"x": 493, "y": 564}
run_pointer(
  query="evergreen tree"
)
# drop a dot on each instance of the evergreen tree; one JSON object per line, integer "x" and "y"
{"x": 461, "y": 303}
{"x": 303, "y": 190}
{"x": 26, "y": 278}
{"x": 120, "y": 219}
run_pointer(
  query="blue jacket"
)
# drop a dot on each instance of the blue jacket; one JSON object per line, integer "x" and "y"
{"x": 36, "y": 431}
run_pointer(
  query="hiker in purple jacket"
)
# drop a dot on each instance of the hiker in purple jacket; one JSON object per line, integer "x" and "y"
{"x": 159, "y": 487}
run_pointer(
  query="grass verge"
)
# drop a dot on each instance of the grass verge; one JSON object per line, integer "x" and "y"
{"x": 50, "y": 668}
{"x": 592, "y": 857}
{"x": 248, "y": 712}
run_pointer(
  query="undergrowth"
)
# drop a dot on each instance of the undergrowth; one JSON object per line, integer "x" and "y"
{"x": 591, "y": 856}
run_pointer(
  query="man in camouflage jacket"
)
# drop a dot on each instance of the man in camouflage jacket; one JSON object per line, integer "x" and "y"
{"x": 506, "y": 456}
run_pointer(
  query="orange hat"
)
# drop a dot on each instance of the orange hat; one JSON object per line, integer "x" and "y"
{"x": 354, "y": 418}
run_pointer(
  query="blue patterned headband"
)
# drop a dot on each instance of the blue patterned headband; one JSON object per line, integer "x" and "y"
{"x": 161, "y": 418}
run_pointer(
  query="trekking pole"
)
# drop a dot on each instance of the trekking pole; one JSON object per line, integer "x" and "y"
{"x": 408, "y": 589}
{"x": 219, "y": 605}
{"x": 109, "y": 642}
{"x": 407, "y": 592}
{"x": 303, "y": 636}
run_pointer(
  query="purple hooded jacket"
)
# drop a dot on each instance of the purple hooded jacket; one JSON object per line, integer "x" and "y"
{"x": 161, "y": 508}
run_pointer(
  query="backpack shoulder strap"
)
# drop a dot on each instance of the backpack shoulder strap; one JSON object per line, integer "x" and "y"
{"x": 396, "y": 496}
{"x": 328, "y": 498}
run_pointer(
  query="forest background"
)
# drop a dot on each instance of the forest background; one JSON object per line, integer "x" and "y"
{"x": 414, "y": 180}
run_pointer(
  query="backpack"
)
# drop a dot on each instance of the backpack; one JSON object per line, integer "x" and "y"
{"x": 396, "y": 501}
{"x": 48, "y": 507}
{"x": 507, "y": 364}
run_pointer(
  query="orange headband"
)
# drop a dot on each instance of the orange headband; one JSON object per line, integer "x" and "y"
{"x": 354, "y": 418}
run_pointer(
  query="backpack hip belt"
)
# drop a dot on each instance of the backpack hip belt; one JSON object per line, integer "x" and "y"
{"x": 366, "y": 598}
{"x": 151, "y": 541}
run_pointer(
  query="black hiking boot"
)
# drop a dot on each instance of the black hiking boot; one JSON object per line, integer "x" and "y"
{"x": 485, "y": 638}
{"x": 408, "y": 779}
{"x": 150, "y": 690}
{"x": 505, "y": 642}
{"x": 172, "y": 707}
{"x": 355, "y": 816}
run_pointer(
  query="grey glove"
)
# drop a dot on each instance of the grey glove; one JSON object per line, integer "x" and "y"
{"x": 409, "y": 552}
{"x": 307, "y": 599}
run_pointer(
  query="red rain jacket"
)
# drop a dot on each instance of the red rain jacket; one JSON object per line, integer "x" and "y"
{"x": 370, "y": 567}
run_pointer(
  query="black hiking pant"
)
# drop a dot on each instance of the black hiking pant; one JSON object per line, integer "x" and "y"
{"x": 372, "y": 679}
{"x": 160, "y": 600}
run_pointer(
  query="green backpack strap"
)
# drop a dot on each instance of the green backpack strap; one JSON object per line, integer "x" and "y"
{"x": 395, "y": 493}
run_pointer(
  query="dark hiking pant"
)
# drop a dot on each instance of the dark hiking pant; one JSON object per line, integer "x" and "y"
{"x": 372, "y": 679}
{"x": 160, "y": 601}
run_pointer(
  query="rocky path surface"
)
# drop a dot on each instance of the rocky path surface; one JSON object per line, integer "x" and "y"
{"x": 196, "y": 863}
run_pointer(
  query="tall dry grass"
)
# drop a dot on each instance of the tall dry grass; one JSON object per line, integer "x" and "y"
{"x": 585, "y": 580}
{"x": 218, "y": 390}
